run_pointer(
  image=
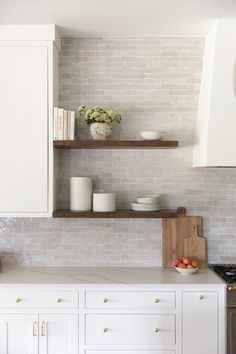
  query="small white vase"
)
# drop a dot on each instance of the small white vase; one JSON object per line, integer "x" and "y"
{"x": 100, "y": 131}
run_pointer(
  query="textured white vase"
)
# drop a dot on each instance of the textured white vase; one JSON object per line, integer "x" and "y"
{"x": 104, "y": 201}
{"x": 100, "y": 131}
{"x": 81, "y": 193}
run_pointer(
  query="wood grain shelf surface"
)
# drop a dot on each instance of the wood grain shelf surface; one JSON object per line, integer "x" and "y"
{"x": 115, "y": 144}
{"x": 120, "y": 213}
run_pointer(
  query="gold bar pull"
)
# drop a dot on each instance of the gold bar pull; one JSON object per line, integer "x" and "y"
{"x": 43, "y": 329}
{"x": 34, "y": 332}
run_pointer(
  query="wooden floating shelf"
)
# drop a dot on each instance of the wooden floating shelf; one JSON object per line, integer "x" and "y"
{"x": 122, "y": 213}
{"x": 115, "y": 144}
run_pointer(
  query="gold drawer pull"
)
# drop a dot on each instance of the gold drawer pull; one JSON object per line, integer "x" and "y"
{"x": 43, "y": 329}
{"x": 18, "y": 300}
{"x": 156, "y": 301}
{"x": 201, "y": 297}
{"x": 105, "y": 300}
{"x": 156, "y": 330}
{"x": 34, "y": 330}
{"x": 59, "y": 300}
{"x": 105, "y": 329}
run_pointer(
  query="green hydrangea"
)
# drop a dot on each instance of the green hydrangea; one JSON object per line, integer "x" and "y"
{"x": 99, "y": 115}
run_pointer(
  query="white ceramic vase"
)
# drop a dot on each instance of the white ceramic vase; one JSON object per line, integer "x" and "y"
{"x": 100, "y": 131}
{"x": 81, "y": 193}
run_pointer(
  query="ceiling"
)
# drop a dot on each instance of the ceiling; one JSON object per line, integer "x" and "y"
{"x": 112, "y": 18}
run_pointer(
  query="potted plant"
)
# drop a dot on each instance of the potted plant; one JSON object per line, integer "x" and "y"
{"x": 100, "y": 121}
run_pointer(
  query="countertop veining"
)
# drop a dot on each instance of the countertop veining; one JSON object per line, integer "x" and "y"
{"x": 103, "y": 276}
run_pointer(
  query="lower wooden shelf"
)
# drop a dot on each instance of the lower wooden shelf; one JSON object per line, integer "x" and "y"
{"x": 120, "y": 213}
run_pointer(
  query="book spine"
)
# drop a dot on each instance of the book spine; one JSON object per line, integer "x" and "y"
{"x": 72, "y": 125}
{"x": 55, "y": 116}
{"x": 68, "y": 124}
{"x": 60, "y": 123}
{"x": 65, "y": 124}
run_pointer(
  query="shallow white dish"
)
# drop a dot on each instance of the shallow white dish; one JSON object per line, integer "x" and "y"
{"x": 144, "y": 207}
{"x": 186, "y": 271}
{"x": 152, "y": 135}
{"x": 153, "y": 200}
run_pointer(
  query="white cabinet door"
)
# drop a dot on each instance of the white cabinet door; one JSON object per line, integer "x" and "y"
{"x": 58, "y": 334}
{"x": 24, "y": 129}
{"x": 200, "y": 323}
{"x": 18, "y": 334}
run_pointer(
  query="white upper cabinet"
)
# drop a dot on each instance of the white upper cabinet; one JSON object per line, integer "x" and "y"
{"x": 26, "y": 106}
{"x": 215, "y": 138}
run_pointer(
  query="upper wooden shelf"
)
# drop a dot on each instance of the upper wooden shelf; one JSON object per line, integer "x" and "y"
{"x": 120, "y": 213}
{"x": 115, "y": 144}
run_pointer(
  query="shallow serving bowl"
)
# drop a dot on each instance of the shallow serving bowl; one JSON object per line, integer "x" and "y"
{"x": 149, "y": 200}
{"x": 151, "y": 135}
{"x": 144, "y": 207}
{"x": 186, "y": 271}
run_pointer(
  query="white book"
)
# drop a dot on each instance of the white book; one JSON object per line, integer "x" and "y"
{"x": 55, "y": 115}
{"x": 72, "y": 125}
{"x": 60, "y": 124}
{"x": 68, "y": 124}
{"x": 65, "y": 124}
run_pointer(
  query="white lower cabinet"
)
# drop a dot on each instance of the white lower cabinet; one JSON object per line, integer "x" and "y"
{"x": 200, "y": 323}
{"x": 18, "y": 334}
{"x": 38, "y": 334}
{"x": 186, "y": 322}
{"x": 58, "y": 334}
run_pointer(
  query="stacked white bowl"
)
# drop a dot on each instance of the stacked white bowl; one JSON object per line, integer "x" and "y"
{"x": 147, "y": 203}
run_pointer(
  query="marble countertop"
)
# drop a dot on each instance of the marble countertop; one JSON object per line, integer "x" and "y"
{"x": 103, "y": 276}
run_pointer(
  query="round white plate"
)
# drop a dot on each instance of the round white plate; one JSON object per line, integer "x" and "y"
{"x": 144, "y": 207}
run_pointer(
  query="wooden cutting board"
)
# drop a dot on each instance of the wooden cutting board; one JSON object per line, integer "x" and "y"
{"x": 181, "y": 237}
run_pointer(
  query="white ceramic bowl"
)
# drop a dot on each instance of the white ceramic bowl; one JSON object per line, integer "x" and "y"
{"x": 186, "y": 271}
{"x": 144, "y": 207}
{"x": 151, "y": 135}
{"x": 153, "y": 200}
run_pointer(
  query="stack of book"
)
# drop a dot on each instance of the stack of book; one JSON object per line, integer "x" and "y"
{"x": 64, "y": 124}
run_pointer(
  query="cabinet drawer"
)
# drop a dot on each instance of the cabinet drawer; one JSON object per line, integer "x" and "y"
{"x": 130, "y": 329}
{"x": 27, "y": 299}
{"x": 130, "y": 300}
{"x": 130, "y": 352}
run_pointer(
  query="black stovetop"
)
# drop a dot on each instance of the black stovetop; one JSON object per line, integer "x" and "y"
{"x": 226, "y": 271}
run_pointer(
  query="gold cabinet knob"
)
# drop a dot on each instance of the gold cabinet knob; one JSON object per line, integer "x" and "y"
{"x": 59, "y": 300}
{"x": 201, "y": 297}
{"x": 105, "y": 300}
{"x": 156, "y": 301}
{"x": 156, "y": 330}
{"x": 18, "y": 300}
{"x": 105, "y": 329}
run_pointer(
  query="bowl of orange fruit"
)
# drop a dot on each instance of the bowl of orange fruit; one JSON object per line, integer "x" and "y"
{"x": 186, "y": 266}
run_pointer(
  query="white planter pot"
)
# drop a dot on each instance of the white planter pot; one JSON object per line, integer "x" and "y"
{"x": 100, "y": 131}
{"x": 81, "y": 193}
{"x": 104, "y": 201}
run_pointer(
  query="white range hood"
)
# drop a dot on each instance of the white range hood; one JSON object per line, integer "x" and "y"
{"x": 215, "y": 137}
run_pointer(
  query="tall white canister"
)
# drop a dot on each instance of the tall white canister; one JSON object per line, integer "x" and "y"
{"x": 81, "y": 193}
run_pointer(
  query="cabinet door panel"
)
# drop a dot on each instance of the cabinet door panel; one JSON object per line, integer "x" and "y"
{"x": 58, "y": 334}
{"x": 200, "y": 323}
{"x": 18, "y": 334}
{"x": 23, "y": 133}
{"x": 130, "y": 329}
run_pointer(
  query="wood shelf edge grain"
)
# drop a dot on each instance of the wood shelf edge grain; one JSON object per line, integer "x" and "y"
{"x": 115, "y": 144}
{"x": 123, "y": 213}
